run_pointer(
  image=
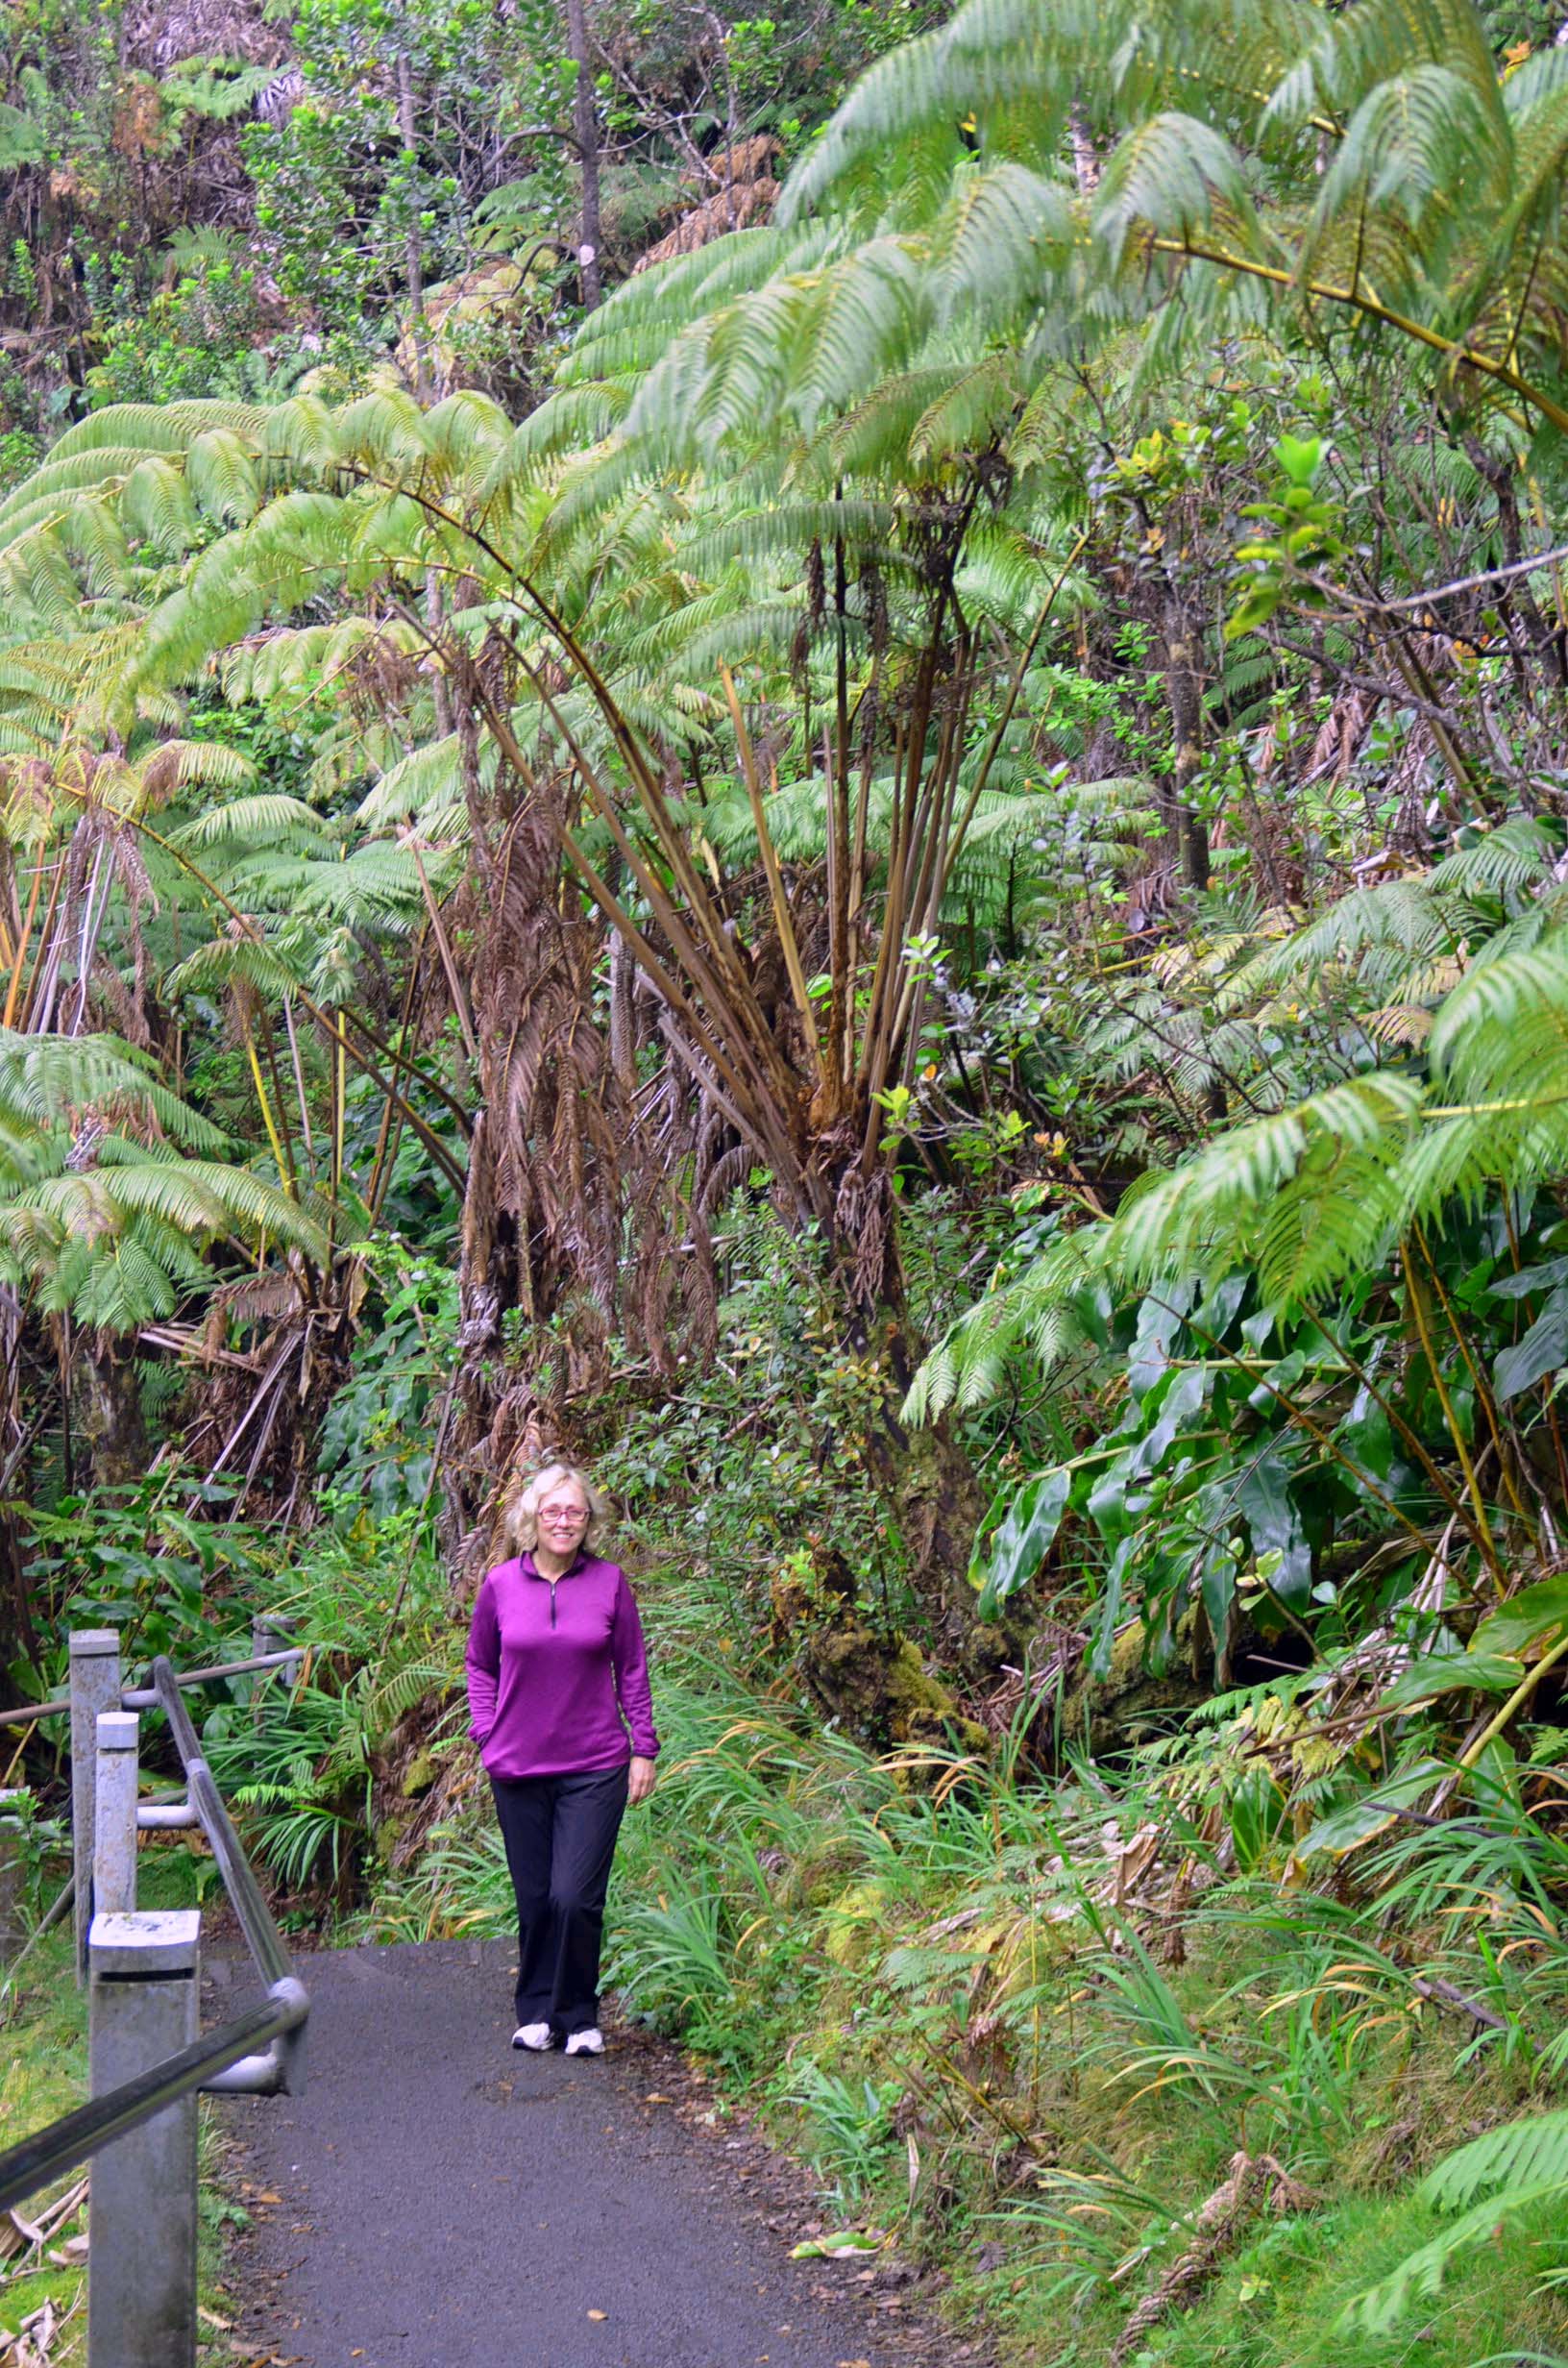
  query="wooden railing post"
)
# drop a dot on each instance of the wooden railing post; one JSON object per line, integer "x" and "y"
{"x": 271, "y": 1632}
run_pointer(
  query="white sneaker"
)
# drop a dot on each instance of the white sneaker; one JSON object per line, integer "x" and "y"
{"x": 537, "y": 2038}
{"x": 589, "y": 2042}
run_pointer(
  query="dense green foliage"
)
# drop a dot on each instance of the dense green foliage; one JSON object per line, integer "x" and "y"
{"x": 825, "y": 757}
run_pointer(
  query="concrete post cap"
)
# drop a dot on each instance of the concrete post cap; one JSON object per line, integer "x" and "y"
{"x": 118, "y": 1730}
{"x": 93, "y": 1641}
{"x": 164, "y": 1940}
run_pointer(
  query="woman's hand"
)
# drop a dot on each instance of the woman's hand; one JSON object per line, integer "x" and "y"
{"x": 643, "y": 1776}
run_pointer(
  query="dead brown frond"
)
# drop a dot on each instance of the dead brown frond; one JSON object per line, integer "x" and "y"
{"x": 741, "y": 191}
{"x": 1255, "y": 2184}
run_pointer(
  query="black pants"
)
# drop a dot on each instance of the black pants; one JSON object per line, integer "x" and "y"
{"x": 559, "y": 1833}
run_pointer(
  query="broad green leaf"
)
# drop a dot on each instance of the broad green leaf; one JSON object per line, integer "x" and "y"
{"x": 1024, "y": 1537}
{"x": 1435, "y": 1674}
{"x": 1278, "y": 1382}
{"x": 1300, "y": 457}
{"x": 1256, "y": 1811}
{"x": 1366, "y": 1437}
{"x": 1533, "y": 1279}
{"x": 839, "y": 2246}
{"x": 1182, "y": 1398}
{"x": 1216, "y": 1568}
{"x": 1106, "y": 1506}
{"x": 1108, "y": 1614}
{"x": 1264, "y": 1499}
{"x": 1158, "y": 1322}
{"x": 1543, "y": 1348}
{"x": 1537, "y": 1616}
{"x": 1355, "y": 1821}
{"x": 1219, "y": 1310}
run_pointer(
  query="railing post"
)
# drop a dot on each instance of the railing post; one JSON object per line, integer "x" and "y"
{"x": 16, "y": 1802}
{"x": 95, "y": 1685}
{"x": 115, "y": 1814}
{"x": 141, "y": 2261}
{"x": 271, "y": 1632}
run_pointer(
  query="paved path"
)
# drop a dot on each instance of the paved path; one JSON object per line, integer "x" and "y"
{"x": 438, "y": 2201}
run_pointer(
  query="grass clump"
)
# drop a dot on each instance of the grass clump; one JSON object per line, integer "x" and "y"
{"x": 43, "y": 2073}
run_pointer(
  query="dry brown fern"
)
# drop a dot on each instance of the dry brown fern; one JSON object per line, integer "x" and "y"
{"x": 1256, "y": 2182}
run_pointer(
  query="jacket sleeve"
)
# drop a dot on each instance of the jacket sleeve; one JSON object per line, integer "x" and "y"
{"x": 629, "y": 1655}
{"x": 482, "y": 1664}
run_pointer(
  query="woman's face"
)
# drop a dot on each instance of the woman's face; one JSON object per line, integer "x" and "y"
{"x": 563, "y": 1517}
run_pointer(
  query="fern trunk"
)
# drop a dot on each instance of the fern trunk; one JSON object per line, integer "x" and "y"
{"x": 1184, "y": 693}
{"x": 934, "y": 1499}
{"x": 930, "y": 1488}
{"x": 108, "y": 1419}
{"x": 585, "y": 132}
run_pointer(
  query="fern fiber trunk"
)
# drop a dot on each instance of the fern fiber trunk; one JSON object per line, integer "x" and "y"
{"x": 110, "y": 1425}
{"x": 934, "y": 1500}
{"x": 1184, "y": 693}
{"x": 936, "y": 1503}
{"x": 585, "y": 134}
{"x": 573, "y": 1219}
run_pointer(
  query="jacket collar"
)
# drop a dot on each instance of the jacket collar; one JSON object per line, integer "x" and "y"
{"x": 531, "y": 1570}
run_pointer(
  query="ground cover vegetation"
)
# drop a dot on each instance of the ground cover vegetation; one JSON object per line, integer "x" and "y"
{"x": 824, "y": 756}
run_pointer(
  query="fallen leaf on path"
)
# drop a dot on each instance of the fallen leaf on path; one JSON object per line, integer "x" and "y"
{"x": 598, "y": 2314}
{"x": 839, "y": 2246}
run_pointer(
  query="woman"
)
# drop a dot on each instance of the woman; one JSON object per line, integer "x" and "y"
{"x": 557, "y": 1690}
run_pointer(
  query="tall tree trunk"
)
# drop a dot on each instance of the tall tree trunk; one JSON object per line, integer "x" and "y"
{"x": 623, "y": 1015}
{"x": 585, "y": 132}
{"x": 111, "y": 1425}
{"x": 1086, "y": 165}
{"x": 1184, "y": 691}
{"x": 934, "y": 1500}
{"x": 414, "y": 261}
{"x": 17, "y": 1628}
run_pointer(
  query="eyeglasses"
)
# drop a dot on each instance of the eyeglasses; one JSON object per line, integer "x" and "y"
{"x": 563, "y": 1520}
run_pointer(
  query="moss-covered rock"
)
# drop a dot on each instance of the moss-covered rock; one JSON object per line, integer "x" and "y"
{"x": 853, "y": 1926}
{"x": 875, "y": 1684}
{"x": 1130, "y": 1701}
{"x": 921, "y": 1708}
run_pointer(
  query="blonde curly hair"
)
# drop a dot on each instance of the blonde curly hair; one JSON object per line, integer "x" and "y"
{"x": 521, "y": 1522}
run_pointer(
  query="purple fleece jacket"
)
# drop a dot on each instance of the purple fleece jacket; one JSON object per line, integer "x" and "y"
{"x": 557, "y": 1672}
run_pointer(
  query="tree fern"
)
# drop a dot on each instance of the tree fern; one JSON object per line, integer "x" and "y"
{"x": 1512, "y": 2170}
{"x": 42, "y": 1076}
{"x": 1327, "y": 1187}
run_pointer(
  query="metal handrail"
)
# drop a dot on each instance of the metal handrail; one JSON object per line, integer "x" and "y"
{"x": 277, "y": 2026}
{"x": 146, "y": 1697}
{"x": 62, "y": 2144}
{"x": 262, "y": 1938}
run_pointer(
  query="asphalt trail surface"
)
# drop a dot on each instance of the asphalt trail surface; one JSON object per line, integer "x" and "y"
{"x": 436, "y": 2199}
